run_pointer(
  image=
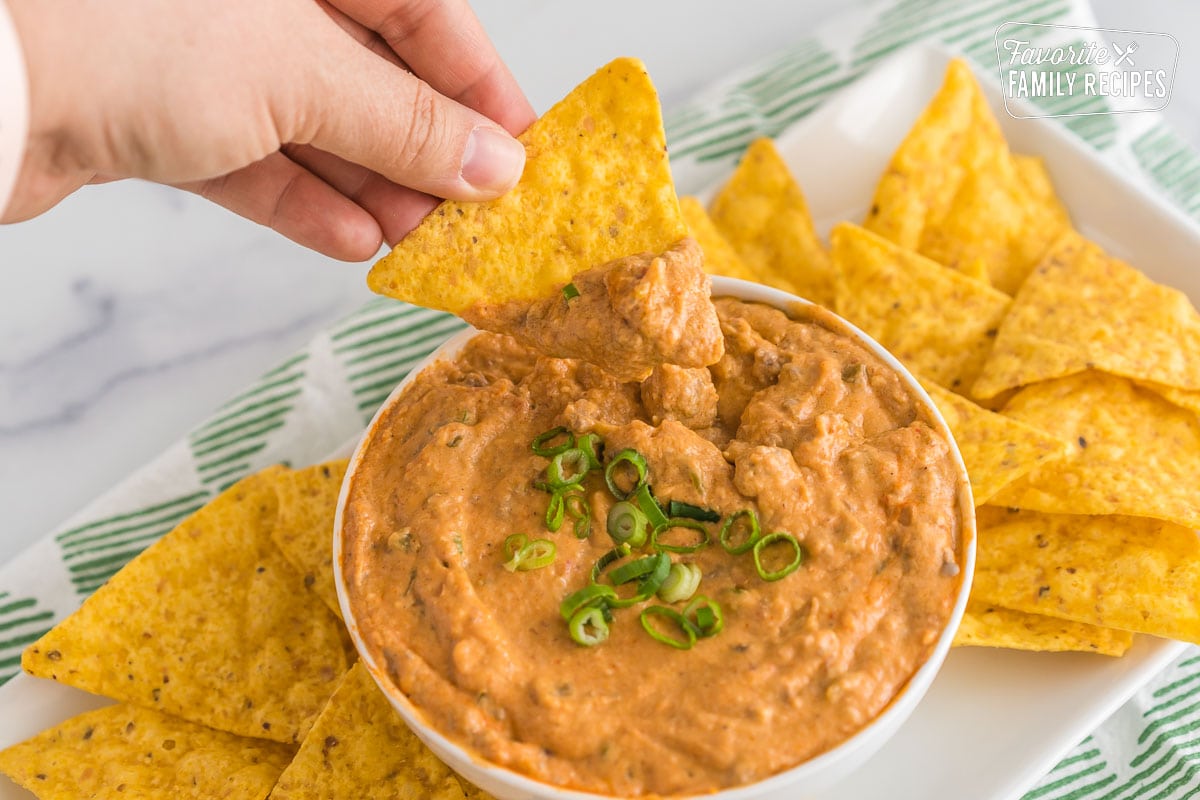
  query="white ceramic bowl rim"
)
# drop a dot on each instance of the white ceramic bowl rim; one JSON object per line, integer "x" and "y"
{"x": 895, "y": 713}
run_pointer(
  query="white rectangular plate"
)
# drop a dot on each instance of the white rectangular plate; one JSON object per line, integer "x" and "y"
{"x": 994, "y": 721}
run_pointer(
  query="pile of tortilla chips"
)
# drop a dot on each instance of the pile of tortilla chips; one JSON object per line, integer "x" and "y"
{"x": 232, "y": 670}
{"x": 1070, "y": 381}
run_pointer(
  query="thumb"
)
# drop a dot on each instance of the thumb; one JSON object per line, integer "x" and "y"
{"x": 376, "y": 114}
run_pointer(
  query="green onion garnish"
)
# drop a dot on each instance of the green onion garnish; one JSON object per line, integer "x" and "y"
{"x": 593, "y": 445}
{"x": 570, "y": 292}
{"x": 681, "y": 583}
{"x": 635, "y": 460}
{"x": 770, "y": 539}
{"x": 729, "y": 529}
{"x": 691, "y": 524}
{"x": 606, "y": 560}
{"x": 554, "y": 511}
{"x": 597, "y": 594}
{"x": 648, "y": 571}
{"x": 681, "y": 624}
{"x": 627, "y": 524}
{"x": 524, "y": 555}
{"x": 689, "y": 511}
{"x": 638, "y": 568}
{"x": 541, "y": 446}
{"x": 705, "y": 615}
{"x": 513, "y": 545}
{"x": 588, "y": 626}
{"x": 650, "y": 507}
{"x": 567, "y": 468}
{"x": 577, "y": 509}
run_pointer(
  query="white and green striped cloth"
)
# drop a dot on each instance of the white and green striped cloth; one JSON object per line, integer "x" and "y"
{"x": 315, "y": 401}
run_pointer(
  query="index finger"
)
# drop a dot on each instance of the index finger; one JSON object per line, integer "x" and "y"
{"x": 444, "y": 44}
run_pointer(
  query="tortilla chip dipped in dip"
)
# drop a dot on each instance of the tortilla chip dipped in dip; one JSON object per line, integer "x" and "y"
{"x": 626, "y": 317}
{"x": 596, "y": 186}
{"x": 657, "y": 589}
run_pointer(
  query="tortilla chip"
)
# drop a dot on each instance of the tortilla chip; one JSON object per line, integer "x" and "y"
{"x": 1136, "y": 574}
{"x": 1083, "y": 309}
{"x": 1130, "y": 451}
{"x": 360, "y": 749}
{"x": 763, "y": 214}
{"x": 935, "y": 320}
{"x": 719, "y": 256}
{"x": 1183, "y": 398}
{"x": 210, "y": 624}
{"x": 1033, "y": 175}
{"x": 984, "y": 625}
{"x": 953, "y": 193}
{"x": 597, "y": 186}
{"x": 997, "y": 450}
{"x": 304, "y": 528}
{"x": 127, "y": 751}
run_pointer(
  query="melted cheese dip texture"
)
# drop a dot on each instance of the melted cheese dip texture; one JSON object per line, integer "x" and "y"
{"x": 797, "y": 421}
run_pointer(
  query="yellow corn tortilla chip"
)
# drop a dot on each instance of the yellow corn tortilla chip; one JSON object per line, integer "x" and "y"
{"x": 596, "y": 187}
{"x": 1083, "y": 309}
{"x": 762, "y": 212}
{"x": 304, "y": 528}
{"x": 1033, "y": 175}
{"x": 1132, "y": 573}
{"x": 1183, "y": 398}
{"x": 210, "y": 624}
{"x": 719, "y": 256}
{"x": 1130, "y": 451}
{"x": 953, "y": 193}
{"x": 984, "y": 625}
{"x": 935, "y": 320}
{"x": 996, "y": 449}
{"x": 127, "y": 751}
{"x": 360, "y": 749}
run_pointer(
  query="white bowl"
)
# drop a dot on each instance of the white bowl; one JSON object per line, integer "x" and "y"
{"x": 802, "y": 781}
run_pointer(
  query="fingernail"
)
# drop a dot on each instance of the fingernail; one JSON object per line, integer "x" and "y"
{"x": 493, "y": 161}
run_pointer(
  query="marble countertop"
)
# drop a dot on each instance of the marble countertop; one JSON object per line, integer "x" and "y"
{"x": 131, "y": 311}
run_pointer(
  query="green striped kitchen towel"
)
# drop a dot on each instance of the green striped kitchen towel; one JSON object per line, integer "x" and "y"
{"x": 312, "y": 403}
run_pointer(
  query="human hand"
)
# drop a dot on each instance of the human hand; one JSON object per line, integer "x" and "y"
{"x": 297, "y": 114}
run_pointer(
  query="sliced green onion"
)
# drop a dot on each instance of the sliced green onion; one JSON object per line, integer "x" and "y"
{"x": 638, "y": 568}
{"x": 729, "y": 529}
{"x": 567, "y": 468}
{"x": 684, "y": 627}
{"x": 606, "y": 560}
{"x": 570, "y": 292}
{"x": 596, "y": 594}
{"x": 577, "y": 509}
{"x": 593, "y": 445}
{"x": 525, "y": 555}
{"x": 650, "y": 507}
{"x": 541, "y": 446}
{"x": 681, "y": 583}
{"x": 588, "y": 626}
{"x": 705, "y": 615}
{"x": 770, "y": 539}
{"x": 689, "y": 511}
{"x": 649, "y": 572}
{"x": 513, "y": 545}
{"x": 691, "y": 524}
{"x": 554, "y": 512}
{"x": 634, "y": 459}
{"x": 627, "y": 524}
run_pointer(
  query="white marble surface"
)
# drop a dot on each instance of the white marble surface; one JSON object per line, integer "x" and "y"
{"x": 131, "y": 311}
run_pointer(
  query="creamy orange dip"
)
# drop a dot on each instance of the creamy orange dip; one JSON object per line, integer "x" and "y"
{"x": 626, "y": 316}
{"x": 797, "y": 421}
